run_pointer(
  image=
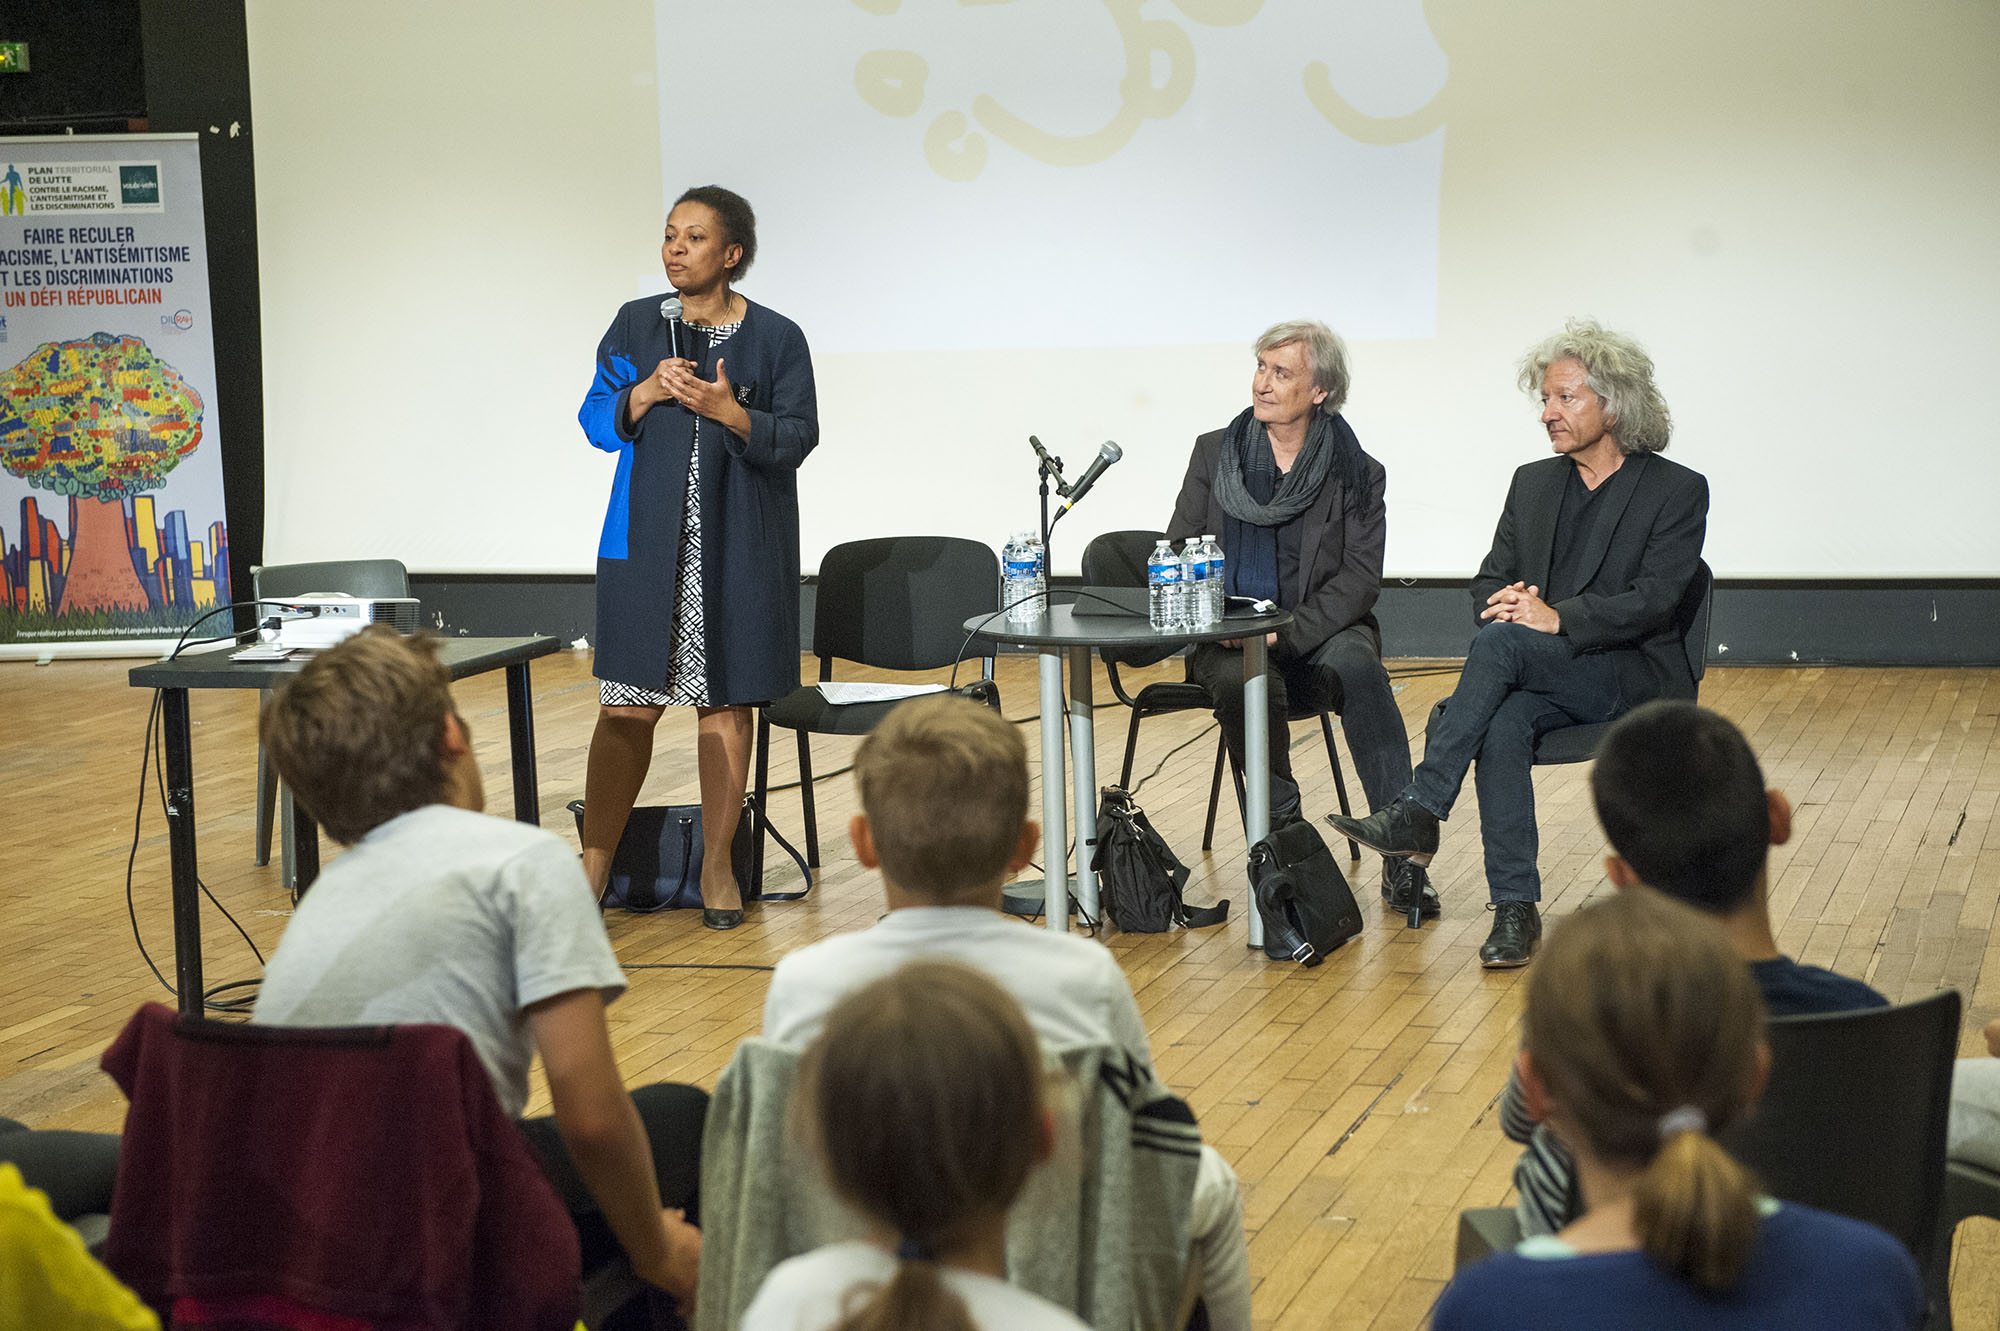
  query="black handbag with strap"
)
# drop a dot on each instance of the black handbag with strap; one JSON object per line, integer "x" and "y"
{"x": 1307, "y": 907}
{"x": 1139, "y": 877}
{"x": 657, "y": 865}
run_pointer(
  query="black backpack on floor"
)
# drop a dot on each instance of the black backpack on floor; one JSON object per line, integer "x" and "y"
{"x": 1139, "y": 878}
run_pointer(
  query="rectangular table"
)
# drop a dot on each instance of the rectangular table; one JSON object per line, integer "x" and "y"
{"x": 214, "y": 670}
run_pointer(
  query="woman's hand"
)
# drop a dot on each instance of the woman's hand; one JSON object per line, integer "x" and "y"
{"x": 714, "y": 400}
{"x": 652, "y": 390}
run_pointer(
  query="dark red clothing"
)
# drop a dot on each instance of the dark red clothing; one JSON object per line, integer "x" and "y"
{"x": 366, "y": 1172}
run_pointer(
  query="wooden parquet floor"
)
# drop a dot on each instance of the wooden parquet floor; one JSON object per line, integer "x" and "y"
{"x": 1356, "y": 1100}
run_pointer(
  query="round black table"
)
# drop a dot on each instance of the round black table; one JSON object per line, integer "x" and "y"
{"x": 1063, "y": 632}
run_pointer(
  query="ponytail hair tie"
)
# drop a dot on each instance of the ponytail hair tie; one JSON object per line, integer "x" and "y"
{"x": 909, "y": 1250}
{"x": 1685, "y": 1119}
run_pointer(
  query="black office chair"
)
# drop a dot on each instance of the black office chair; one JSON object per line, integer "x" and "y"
{"x": 1578, "y": 743}
{"x": 895, "y": 603}
{"x": 1118, "y": 559}
{"x": 1853, "y": 1118}
{"x": 355, "y": 577}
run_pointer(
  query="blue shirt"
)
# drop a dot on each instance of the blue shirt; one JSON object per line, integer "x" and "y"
{"x": 1790, "y": 989}
{"x": 1810, "y": 1270}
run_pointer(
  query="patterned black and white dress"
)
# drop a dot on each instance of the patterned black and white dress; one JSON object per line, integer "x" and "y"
{"x": 687, "y": 671}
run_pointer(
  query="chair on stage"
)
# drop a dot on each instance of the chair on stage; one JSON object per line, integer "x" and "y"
{"x": 300, "y": 1174}
{"x": 355, "y": 577}
{"x": 1578, "y": 743}
{"x": 1118, "y": 559}
{"x": 894, "y": 603}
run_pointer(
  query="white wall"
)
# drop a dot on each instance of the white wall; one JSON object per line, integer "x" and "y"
{"x": 1791, "y": 204}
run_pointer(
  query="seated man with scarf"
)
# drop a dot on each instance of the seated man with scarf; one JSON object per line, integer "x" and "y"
{"x": 1299, "y": 510}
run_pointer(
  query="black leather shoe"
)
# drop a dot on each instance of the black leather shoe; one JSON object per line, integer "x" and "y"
{"x": 1517, "y": 927}
{"x": 720, "y": 919}
{"x": 1406, "y": 885}
{"x": 1404, "y": 827}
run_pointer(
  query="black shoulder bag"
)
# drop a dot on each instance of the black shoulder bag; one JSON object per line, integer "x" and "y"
{"x": 1307, "y": 907}
{"x": 657, "y": 865}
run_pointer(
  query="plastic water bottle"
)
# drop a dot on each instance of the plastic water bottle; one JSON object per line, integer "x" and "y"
{"x": 1163, "y": 587}
{"x": 1218, "y": 587}
{"x": 1038, "y": 585}
{"x": 1194, "y": 584}
{"x": 1018, "y": 578}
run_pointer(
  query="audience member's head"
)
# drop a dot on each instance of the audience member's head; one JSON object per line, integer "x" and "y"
{"x": 925, "y": 1098}
{"x": 944, "y": 799}
{"x": 1643, "y": 1038}
{"x": 368, "y": 731}
{"x": 1683, "y": 804}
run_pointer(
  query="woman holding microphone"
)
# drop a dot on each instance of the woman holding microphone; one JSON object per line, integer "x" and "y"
{"x": 710, "y": 408}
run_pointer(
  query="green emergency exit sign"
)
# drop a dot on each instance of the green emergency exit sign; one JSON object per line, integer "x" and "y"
{"x": 13, "y": 57}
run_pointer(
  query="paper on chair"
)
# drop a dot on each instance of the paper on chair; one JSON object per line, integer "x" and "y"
{"x": 843, "y": 694}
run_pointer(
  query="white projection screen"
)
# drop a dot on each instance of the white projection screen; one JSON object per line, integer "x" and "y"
{"x": 1069, "y": 218}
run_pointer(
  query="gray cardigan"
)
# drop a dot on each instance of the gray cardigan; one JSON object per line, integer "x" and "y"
{"x": 1102, "y": 1229}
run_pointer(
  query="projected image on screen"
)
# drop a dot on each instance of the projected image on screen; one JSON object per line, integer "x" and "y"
{"x": 1042, "y": 173}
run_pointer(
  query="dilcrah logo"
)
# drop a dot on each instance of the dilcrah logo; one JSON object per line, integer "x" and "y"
{"x": 139, "y": 185}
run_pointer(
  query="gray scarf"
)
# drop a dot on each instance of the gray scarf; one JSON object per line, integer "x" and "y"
{"x": 1300, "y": 486}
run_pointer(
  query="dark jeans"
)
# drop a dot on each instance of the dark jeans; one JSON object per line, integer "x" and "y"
{"x": 1517, "y": 685}
{"x": 1348, "y": 667}
{"x": 673, "y": 1116}
{"x": 75, "y": 1169}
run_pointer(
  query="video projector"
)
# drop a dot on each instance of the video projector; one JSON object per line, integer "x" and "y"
{"x": 318, "y": 620}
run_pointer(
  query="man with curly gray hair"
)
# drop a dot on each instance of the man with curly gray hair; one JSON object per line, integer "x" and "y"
{"x": 1577, "y": 606}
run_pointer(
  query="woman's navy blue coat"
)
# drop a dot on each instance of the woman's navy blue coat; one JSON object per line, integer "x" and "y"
{"x": 749, "y": 505}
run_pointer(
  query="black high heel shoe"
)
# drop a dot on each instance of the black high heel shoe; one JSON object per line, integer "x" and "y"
{"x": 720, "y": 919}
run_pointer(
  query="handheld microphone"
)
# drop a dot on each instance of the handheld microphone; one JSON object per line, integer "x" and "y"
{"x": 1106, "y": 455}
{"x": 670, "y": 310}
{"x": 1053, "y": 466}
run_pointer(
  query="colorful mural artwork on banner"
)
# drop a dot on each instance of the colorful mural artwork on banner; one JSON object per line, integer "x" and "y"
{"x": 111, "y": 513}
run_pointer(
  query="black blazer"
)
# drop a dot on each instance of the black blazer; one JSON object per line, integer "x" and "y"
{"x": 1644, "y": 549}
{"x": 1340, "y": 553}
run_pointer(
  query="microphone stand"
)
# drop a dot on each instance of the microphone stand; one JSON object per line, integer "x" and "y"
{"x": 1062, "y": 488}
{"x": 1045, "y": 467}
{"x": 1028, "y": 899}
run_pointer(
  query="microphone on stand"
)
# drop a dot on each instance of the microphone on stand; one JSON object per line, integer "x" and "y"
{"x": 1106, "y": 455}
{"x": 1053, "y": 466}
{"x": 670, "y": 310}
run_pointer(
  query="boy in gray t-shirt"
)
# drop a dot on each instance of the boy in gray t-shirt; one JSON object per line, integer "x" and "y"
{"x": 439, "y": 913}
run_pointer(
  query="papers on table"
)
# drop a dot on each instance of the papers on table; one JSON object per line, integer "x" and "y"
{"x": 842, "y": 694}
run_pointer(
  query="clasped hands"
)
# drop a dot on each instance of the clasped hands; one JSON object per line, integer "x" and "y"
{"x": 675, "y": 380}
{"x": 1522, "y": 604}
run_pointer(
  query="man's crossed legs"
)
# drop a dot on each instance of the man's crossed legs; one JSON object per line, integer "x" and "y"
{"x": 1518, "y": 684}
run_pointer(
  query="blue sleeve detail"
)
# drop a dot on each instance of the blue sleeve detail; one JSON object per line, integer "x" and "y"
{"x": 599, "y": 414}
{"x": 602, "y": 416}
